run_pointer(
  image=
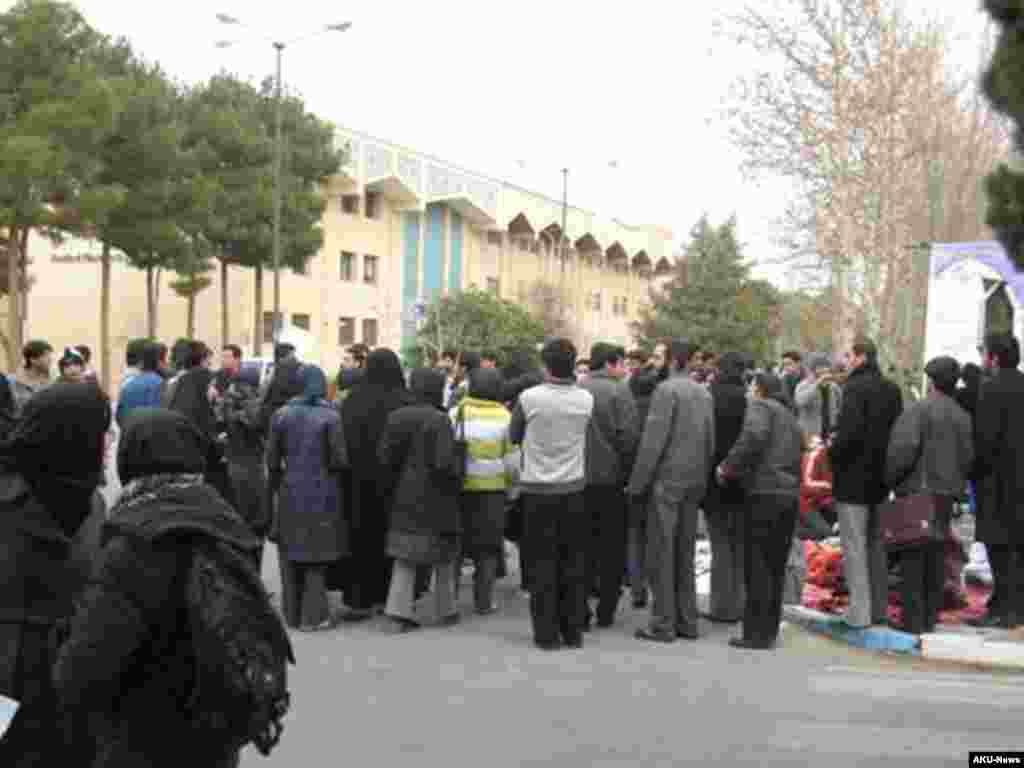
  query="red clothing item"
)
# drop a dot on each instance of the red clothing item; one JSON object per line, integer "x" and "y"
{"x": 815, "y": 481}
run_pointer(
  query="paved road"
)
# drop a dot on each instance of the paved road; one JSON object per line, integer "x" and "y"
{"x": 480, "y": 695}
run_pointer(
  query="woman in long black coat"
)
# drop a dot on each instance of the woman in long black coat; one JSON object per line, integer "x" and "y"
{"x": 127, "y": 661}
{"x": 50, "y": 467}
{"x": 364, "y": 415}
{"x": 419, "y": 446}
{"x": 305, "y": 454}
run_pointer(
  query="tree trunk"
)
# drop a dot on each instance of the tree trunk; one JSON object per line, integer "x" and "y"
{"x": 225, "y": 331}
{"x": 151, "y": 277}
{"x": 13, "y": 295}
{"x": 105, "y": 318}
{"x": 190, "y": 330}
{"x": 257, "y": 305}
{"x": 23, "y": 286}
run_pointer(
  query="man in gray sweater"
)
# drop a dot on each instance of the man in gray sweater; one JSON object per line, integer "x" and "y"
{"x": 550, "y": 421}
{"x": 673, "y": 465}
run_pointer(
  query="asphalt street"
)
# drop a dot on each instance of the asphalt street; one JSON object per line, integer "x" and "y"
{"x": 479, "y": 694}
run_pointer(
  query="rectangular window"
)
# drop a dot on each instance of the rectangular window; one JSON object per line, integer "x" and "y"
{"x": 350, "y": 204}
{"x": 494, "y": 238}
{"x": 346, "y": 331}
{"x": 372, "y": 205}
{"x": 595, "y": 301}
{"x": 625, "y": 306}
{"x": 494, "y": 286}
{"x": 268, "y": 327}
{"x": 301, "y": 321}
{"x": 369, "y": 332}
{"x": 370, "y": 269}
{"x": 347, "y": 266}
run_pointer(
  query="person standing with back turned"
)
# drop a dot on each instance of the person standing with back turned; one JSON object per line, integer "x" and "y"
{"x": 673, "y": 465}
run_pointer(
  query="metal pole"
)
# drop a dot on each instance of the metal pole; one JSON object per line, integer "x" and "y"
{"x": 279, "y": 47}
{"x": 565, "y": 199}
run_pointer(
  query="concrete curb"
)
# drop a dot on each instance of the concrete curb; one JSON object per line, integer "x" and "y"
{"x": 969, "y": 648}
{"x": 878, "y": 639}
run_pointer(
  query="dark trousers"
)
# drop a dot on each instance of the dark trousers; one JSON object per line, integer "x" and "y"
{"x": 923, "y": 577}
{"x": 1007, "y": 563}
{"x": 304, "y": 593}
{"x": 725, "y": 529}
{"x": 606, "y": 553}
{"x": 770, "y": 522}
{"x": 556, "y": 535}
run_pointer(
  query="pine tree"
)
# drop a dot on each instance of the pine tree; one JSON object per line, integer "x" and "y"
{"x": 712, "y": 300}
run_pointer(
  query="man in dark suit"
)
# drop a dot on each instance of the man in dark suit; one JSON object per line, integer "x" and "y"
{"x": 871, "y": 405}
{"x": 999, "y": 452}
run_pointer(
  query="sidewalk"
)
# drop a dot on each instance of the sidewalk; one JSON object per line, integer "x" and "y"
{"x": 987, "y": 648}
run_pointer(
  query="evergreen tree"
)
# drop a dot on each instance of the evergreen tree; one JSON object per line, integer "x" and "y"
{"x": 1004, "y": 85}
{"x": 712, "y": 300}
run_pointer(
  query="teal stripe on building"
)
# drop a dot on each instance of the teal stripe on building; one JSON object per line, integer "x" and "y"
{"x": 433, "y": 253}
{"x": 455, "y": 255}
{"x": 410, "y": 272}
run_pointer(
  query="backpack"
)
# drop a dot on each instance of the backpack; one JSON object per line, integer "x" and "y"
{"x": 240, "y": 646}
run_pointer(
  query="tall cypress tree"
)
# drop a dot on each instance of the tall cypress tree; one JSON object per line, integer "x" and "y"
{"x": 1004, "y": 85}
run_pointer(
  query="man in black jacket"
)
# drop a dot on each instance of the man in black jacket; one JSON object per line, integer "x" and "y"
{"x": 999, "y": 451}
{"x": 871, "y": 405}
{"x": 723, "y": 507}
{"x": 611, "y": 445}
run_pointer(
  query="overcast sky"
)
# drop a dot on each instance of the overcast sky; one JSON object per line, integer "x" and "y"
{"x": 513, "y": 89}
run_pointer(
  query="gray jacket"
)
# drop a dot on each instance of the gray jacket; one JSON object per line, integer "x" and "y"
{"x": 612, "y": 439}
{"x": 766, "y": 456}
{"x": 809, "y": 406}
{"x": 932, "y": 435}
{"x": 550, "y": 421}
{"x": 23, "y": 387}
{"x": 678, "y": 442}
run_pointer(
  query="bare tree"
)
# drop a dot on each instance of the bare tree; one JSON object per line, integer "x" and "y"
{"x": 855, "y": 104}
{"x": 552, "y": 306}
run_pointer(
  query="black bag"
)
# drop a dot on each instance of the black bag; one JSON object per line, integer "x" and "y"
{"x": 241, "y": 650}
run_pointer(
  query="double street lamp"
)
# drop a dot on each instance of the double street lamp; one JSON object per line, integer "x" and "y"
{"x": 279, "y": 46}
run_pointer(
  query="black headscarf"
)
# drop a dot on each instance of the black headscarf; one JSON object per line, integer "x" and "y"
{"x": 427, "y": 386}
{"x": 7, "y": 417}
{"x": 487, "y": 384}
{"x": 157, "y": 441}
{"x": 191, "y": 399}
{"x": 58, "y": 448}
{"x": 380, "y": 392}
{"x": 160, "y": 460}
{"x": 731, "y": 368}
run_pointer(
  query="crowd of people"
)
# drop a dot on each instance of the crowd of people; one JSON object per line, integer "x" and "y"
{"x": 382, "y": 483}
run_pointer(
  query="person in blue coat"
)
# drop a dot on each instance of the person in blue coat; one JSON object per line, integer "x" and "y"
{"x": 305, "y": 455}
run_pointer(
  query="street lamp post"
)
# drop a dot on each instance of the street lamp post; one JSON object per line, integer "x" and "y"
{"x": 279, "y": 47}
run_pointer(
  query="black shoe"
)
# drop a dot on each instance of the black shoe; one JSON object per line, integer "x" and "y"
{"x": 686, "y": 633}
{"x": 450, "y": 621}
{"x": 357, "y": 614}
{"x": 574, "y": 643}
{"x": 399, "y": 626}
{"x": 990, "y": 621}
{"x": 718, "y": 620}
{"x": 646, "y": 633}
{"x": 741, "y": 642}
{"x": 605, "y": 622}
{"x": 640, "y": 601}
{"x": 552, "y": 645}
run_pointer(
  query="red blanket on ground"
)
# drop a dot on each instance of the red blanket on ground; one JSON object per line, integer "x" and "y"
{"x": 824, "y": 589}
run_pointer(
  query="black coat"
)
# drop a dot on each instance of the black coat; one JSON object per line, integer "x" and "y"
{"x": 999, "y": 462}
{"x": 642, "y": 384}
{"x": 419, "y": 447}
{"x": 871, "y": 405}
{"x": 128, "y": 660}
{"x": 730, "y": 398}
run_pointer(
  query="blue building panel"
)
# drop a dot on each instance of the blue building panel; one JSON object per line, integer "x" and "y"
{"x": 433, "y": 253}
{"x": 455, "y": 256}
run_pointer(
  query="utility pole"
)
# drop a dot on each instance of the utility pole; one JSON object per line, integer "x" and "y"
{"x": 278, "y": 323}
